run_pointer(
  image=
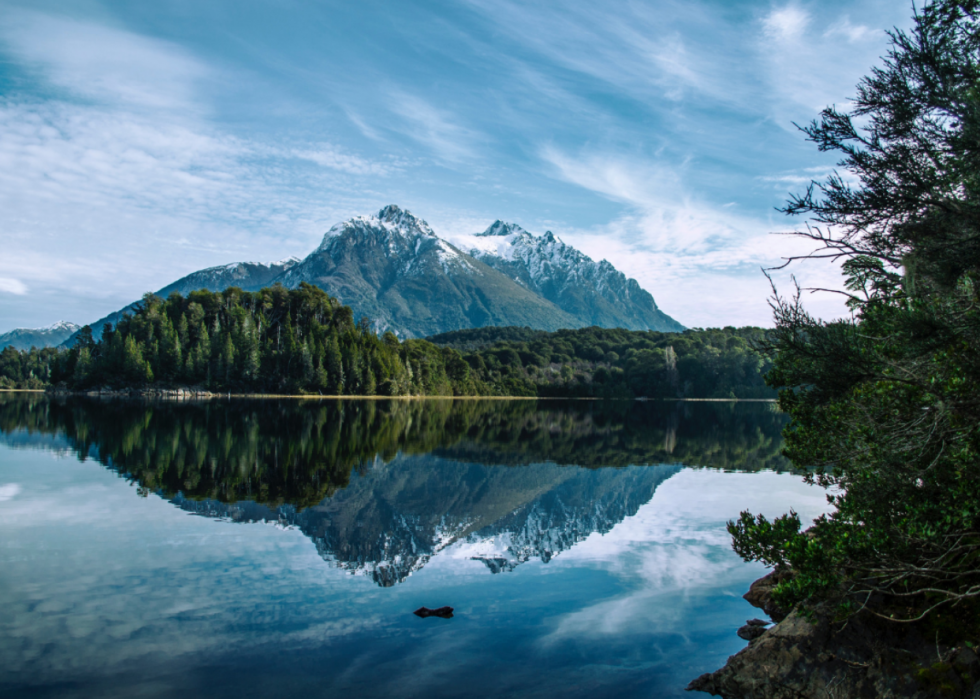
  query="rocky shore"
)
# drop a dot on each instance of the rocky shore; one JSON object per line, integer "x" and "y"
{"x": 157, "y": 393}
{"x": 862, "y": 656}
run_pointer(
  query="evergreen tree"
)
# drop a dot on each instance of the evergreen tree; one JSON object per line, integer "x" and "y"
{"x": 885, "y": 406}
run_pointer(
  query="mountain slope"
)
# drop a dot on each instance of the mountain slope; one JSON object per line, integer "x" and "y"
{"x": 393, "y": 269}
{"x": 596, "y": 293}
{"x": 246, "y": 275}
{"x": 51, "y": 336}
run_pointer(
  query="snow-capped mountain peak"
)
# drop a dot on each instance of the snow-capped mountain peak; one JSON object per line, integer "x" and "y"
{"x": 501, "y": 228}
{"x": 285, "y": 263}
{"x": 61, "y": 325}
{"x": 594, "y": 291}
{"x": 50, "y": 336}
{"x": 392, "y": 219}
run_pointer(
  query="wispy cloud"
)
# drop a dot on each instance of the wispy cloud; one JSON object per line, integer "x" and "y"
{"x": 433, "y": 127}
{"x": 9, "y": 285}
{"x": 104, "y": 63}
{"x": 701, "y": 261}
{"x": 852, "y": 32}
{"x": 786, "y": 24}
{"x": 644, "y": 51}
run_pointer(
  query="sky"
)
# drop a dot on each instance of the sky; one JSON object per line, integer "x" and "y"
{"x": 140, "y": 141}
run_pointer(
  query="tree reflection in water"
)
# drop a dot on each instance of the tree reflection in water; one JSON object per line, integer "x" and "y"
{"x": 382, "y": 486}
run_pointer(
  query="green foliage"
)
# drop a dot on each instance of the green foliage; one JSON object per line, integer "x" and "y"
{"x": 31, "y": 369}
{"x": 600, "y": 362}
{"x": 302, "y": 341}
{"x": 271, "y": 341}
{"x": 886, "y": 406}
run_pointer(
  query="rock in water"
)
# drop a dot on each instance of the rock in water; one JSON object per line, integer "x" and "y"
{"x": 442, "y": 612}
{"x": 760, "y": 594}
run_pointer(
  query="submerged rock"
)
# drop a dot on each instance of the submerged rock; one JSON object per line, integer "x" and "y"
{"x": 443, "y": 612}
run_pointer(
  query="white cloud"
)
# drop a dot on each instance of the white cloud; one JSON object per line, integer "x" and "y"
{"x": 643, "y": 51}
{"x": 8, "y": 491}
{"x": 10, "y": 285}
{"x": 103, "y": 197}
{"x": 852, "y": 32}
{"x": 702, "y": 262}
{"x": 104, "y": 63}
{"x": 433, "y": 127}
{"x": 334, "y": 159}
{"x": 786, "y": 23}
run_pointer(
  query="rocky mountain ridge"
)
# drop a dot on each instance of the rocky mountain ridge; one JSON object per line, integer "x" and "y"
{"x": 51, "y": 336}
{"x": 393, "y": 269}
{"x": 592, "y": 291}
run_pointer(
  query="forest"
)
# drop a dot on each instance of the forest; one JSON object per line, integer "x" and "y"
{"x": 302, "y": 341}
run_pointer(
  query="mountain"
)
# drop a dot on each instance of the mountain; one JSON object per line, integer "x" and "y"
{"x": 596, "y": 293}
{"x": 390, "y": 522}
{"x": 51, "y": 336}
{"x": 246, "y": 275}
{"x": 393, "y": 269}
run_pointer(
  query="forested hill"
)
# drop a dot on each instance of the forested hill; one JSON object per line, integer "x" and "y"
{"x": 302, "y": 341}
{"x": 714, "y": 363}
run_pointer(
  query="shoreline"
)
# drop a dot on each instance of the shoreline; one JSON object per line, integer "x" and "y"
{"x": 815, "y": 655}
{"x": 185, "y": 394}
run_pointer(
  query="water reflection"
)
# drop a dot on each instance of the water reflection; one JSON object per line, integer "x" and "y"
{"x": 582, "y": 557}
{"x": 382, "y": 486}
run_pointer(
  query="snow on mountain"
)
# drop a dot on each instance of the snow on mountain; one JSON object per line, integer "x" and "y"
{"x": 50, "y": 336}
{"x": 393, "y": 269}
{"x": 60, "y": 326}
{"x": 595, "y": 292}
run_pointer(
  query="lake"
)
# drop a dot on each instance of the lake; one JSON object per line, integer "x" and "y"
{"x": 279, "y": 548}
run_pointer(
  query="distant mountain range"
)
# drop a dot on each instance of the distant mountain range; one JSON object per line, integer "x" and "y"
{"x": 393, "y": 269}
{"x": 51, "y": 336}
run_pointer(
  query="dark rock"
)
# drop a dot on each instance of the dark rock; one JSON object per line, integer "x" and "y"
{"x": 865, "y": 656}
{"x": 757, "y": 622}
{"x": 760, "y": 594}
{"x": 442, "y": 612}
{"x": 750, "y": 632}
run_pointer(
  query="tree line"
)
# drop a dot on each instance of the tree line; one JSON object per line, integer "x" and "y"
{"x": 279, "y": 452}
{"x": 302, "y": 341}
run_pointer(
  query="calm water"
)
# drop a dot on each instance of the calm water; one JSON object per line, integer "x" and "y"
{"x": 278, "y": 548}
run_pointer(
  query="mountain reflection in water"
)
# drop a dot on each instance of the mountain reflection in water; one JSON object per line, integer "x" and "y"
{"x": 382, "y": 486}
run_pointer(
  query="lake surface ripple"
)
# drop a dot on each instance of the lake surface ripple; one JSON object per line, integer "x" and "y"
{"x": 278, "y": 548}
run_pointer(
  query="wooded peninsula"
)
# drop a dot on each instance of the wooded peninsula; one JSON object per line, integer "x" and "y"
{"x": 303, "y": 341}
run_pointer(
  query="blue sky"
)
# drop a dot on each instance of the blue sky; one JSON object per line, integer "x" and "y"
{"x": 141, "y": 141}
